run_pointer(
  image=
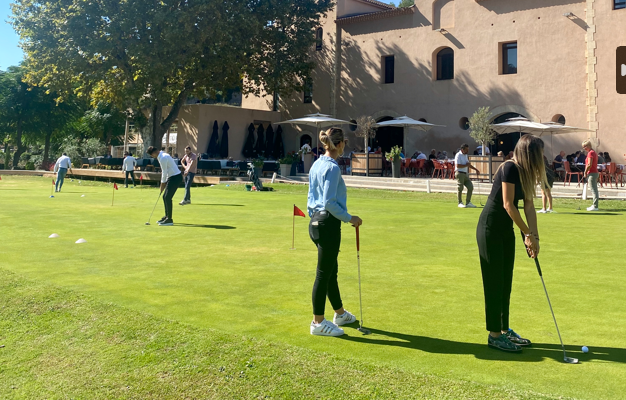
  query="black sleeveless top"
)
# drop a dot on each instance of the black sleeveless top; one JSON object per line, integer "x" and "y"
{"x": 494, "y": 213}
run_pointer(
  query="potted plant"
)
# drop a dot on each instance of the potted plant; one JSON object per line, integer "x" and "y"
{"x": 307, "y": 157}
{"x": 393, "y": 156}
{"x": 287, "y": 162}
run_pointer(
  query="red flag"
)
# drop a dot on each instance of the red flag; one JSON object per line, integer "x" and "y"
{"x": 297, "y": 212}
{"x": 0, "y": 178}
{"x": 53, "y": 183}
{"x": 141, "y": 177}
{"x": 114, "y": 185}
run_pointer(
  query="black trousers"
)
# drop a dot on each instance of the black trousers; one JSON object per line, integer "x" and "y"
{"x": 496, "y": 247}
{"x": 132, "y": 177}
{"x": 170, "y": 190}
{"x": 325, "y": 232}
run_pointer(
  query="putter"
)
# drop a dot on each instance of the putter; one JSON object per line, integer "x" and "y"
{"x": 358, "y": 259}
{"x": 584, "y": 181}
{"x": 566, "y": 359}
{"x": 153, "y": 208}
{"x": 480, "y": 198}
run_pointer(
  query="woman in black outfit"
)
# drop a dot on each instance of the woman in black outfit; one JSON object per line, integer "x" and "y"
{"x": 515, "y": 180}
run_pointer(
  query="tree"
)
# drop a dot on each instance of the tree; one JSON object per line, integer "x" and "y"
{"x": 366, "y": 128}
{"x": 406, "y": 3}
{"x": 480, "y": 130}
{"x": 143, "y": 55}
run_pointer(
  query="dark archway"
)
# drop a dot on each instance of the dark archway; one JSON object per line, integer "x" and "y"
{"x": 304, "y": 139}
{"x": 388, "y": 136}
{"x": 505, "y": 142}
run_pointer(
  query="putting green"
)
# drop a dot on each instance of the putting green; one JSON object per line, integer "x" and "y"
{"x": 226, "y": 264}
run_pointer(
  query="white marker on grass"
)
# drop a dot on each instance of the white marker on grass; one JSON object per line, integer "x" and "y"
{"x": 81, "y": 240}
{"x": 54, "y": 235}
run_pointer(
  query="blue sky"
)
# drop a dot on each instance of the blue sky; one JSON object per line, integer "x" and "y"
{"x": 10, "y": 53}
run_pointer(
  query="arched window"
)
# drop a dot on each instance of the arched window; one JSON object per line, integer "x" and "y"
{"x": 319, "y": 39}
{"x": 445, "y": 64}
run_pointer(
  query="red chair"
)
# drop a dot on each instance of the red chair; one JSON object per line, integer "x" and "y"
{"x": 439, "y": 170}
{"x": 569, "y": 173}
{"x": 420, "y": 167}
{"x": 449, "y": 167}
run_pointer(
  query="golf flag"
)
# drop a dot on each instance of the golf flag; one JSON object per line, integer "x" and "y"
{"x": 297, "y": 212}
{"x": 115, "y": 186}
{"x": 53, "y": 183}
{"x": 140, "y": 177}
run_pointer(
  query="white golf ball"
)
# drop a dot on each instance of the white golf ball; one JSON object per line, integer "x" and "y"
{"x": 585, "y": 349}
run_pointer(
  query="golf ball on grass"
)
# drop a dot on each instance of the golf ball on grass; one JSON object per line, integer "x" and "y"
{"x": 585, "y": 349}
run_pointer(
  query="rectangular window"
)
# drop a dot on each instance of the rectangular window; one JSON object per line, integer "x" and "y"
{"x": 509, "y": 58}
{"x": 618, "y": 4}
{"x": 308, "y": 91}
{"x": 388, "y": 69}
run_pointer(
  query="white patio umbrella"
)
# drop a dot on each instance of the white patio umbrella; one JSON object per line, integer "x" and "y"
{"x": 317, "y": 120}
{"x": 407, "y": 122}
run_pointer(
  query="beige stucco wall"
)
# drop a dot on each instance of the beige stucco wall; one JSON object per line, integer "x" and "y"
{"x": 551, "y": 79}
{"x": 195, "y": 125}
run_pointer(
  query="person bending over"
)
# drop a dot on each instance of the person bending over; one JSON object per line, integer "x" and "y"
{"x": 515, "y": 180}
{"x": 327, "y": 208}
{"x": 171, "y": 179}
{"x": 60, "y": 168}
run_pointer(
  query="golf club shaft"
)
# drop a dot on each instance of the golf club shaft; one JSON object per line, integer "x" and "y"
{"x": 358, "y": 260}
{"x": 154, "y": 208}
{"x": 550, "y": 305}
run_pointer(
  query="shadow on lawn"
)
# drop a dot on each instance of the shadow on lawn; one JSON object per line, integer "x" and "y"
{"x": 204, "y": 226}
{"x": 225, "y": 205}
{"x": 592, "y": 213}
{"x": 537, "y": 353}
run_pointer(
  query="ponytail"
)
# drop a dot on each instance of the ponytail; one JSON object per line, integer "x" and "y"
{"x": 330, "y": 138}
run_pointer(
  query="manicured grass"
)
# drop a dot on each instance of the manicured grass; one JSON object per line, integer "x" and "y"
{"x": 227, "y": 267}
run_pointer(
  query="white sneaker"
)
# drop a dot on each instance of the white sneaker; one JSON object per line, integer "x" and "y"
{"x": 551, "y": 211}
{"x": 542, "y": 211}
{"x": 592, "y": 208}
{"x": 182, "y": 203}
{"x": 325, "y": 328}
{"x": 470, "y": 205}
{"x": 461, "y": 205}
{"x": 346, "y": 318}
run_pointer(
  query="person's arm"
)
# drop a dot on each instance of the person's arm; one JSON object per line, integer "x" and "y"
{"x": 165, "y": 174}
{"x": 588, "y": 162}
{"x": 56, "y": 167}
{"x": 508, "y": 197}
{"x": 189, "y": 164}
{"x": 69, "y": 166}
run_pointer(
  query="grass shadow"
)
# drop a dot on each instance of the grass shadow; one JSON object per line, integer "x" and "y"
{"x": 537, "y": 353}
{"x": 590, "y": 213}
{"x": 204, "y": 226}
{"x": 225, "y": 205}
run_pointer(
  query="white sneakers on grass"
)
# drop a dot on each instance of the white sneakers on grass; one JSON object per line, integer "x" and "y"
{"x": 592, "y": 208}
{"x": 325, "y": 328}
{"x": 346, "y": 318}
{"x": 461, "y": 205}
{"x": 468, "y": 205}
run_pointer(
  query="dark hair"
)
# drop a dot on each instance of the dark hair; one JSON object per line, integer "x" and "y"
{"x": 151, "y": 150}
{"x": 465, "y": 146}
{"x": 188, "y": 147}
{"x": 64, "y": 153}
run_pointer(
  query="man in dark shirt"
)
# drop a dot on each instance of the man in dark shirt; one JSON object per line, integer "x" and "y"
{"x": 558, "y": 163}
{"x": 582, "y": 156}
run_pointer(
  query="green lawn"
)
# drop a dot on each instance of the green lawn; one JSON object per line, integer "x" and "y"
{"x": 226, "y": 273}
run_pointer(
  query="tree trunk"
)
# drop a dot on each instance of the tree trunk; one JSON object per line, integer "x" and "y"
{"x": 46, "y": 149}
{"x": 367, "y": 157}
{"x": 20, "y": 147}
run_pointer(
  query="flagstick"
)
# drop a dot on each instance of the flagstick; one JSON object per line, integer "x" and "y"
{"x": 293, "y": 234}
{"x": 113, "y": 198}
{"x": 51, "y": 188}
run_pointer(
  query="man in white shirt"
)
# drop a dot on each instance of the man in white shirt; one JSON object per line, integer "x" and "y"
{"x": 171, "y": 179}
{"x": 60, "y": 168}
{"x": 461, "y": 173}
{"x": 129, "y": 168}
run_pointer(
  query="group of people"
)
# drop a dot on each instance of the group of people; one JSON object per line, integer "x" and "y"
{"x": 514, "y": 181}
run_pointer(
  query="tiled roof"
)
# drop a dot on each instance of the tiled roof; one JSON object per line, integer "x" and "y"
{"x": 394, "y": 12}
{"x": 377, "y": 4}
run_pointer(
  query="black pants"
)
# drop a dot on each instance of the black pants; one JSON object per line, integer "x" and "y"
{"x": 132, "y": 177}
{"x": 170, "y": 190}
{"x": 325, "y": 232}
{"x": 496, "y": 247}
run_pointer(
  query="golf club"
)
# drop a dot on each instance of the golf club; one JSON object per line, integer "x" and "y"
{"x": 358, "y": 259}
{"x": 584, "y": 181}
{"x": 153, "y": 208}
{"x": 567, "y": 359}
{"x": 480, "y": 198}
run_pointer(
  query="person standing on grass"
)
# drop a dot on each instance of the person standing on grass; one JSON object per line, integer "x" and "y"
{"x": 461, "y": 173}
{"x": 546, "y": 193}
{"x": 60, "y": 168}
{"x": 591, "y": 173}
{"x": 190, "y": 164}
{"x": 327, "y": 208}
{"x": 515, "y": 180}
{"x": 171, "y": 179}
{"x": 129, "y": 168}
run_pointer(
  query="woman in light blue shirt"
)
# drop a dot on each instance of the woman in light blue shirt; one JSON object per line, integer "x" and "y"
{"x": 327, "y": 209}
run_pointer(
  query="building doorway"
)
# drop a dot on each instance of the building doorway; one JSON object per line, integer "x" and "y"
{"x": 388, "y": 136}
{"x": 507, "y": 141}
{"x": 306, "y": 139}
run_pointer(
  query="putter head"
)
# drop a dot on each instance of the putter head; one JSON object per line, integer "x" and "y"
{"x": 363, "y": 330}
{"x": 147, "y": 223}
{"x": 570, "y": 360}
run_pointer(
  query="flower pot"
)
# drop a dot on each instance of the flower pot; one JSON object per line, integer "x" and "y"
{"x": 285, "y": 169}
{"x": 396, "y": 166}
{"x": 308, "y": 161}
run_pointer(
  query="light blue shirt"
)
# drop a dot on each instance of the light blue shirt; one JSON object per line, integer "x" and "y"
{"x": 327, "y": 190}
{"x": 62, "y": 162}
{"x": 168, "y": 166}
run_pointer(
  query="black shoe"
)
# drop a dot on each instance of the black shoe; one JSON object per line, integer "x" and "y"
{"x": 161, "y": 220}
{"x": 503, "y": 343}
{"x": 517, "y": 339}
{"x": 167, "y": 222}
